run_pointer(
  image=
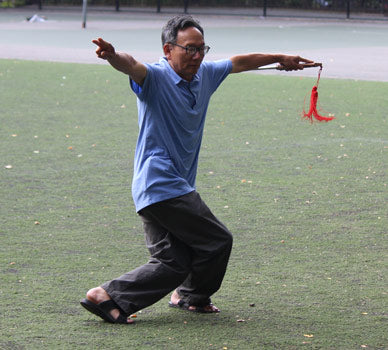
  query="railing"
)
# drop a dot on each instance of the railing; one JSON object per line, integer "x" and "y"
{"x": 365, "y": 9}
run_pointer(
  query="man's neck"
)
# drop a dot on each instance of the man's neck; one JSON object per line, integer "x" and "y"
{"x": 186, "y": 77}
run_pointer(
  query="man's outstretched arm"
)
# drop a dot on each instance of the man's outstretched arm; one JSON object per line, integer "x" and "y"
{"x": 121, "y": 61}
{"x": 242, "y": 63}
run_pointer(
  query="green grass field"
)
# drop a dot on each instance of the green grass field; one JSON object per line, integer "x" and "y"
{"x": 307, "y": 204}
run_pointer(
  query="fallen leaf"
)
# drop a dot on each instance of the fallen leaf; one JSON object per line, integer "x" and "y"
{"x": 308, "y": 335}
{"x": 8, "y": 166}
{"x": 70, "y": 148}
{"x": 37, "y": 223}
{"x": 240, "y": 320}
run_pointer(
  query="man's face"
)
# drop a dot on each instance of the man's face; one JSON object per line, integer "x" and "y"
{"x": 185, "y": 65}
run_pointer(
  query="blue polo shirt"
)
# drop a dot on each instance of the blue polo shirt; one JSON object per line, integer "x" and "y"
{"x": 172, "y": 114}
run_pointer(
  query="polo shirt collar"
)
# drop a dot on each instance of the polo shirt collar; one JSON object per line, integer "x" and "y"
{"x": 175, "y": 77}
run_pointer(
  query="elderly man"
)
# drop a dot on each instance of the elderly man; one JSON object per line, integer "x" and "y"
{"x": 189, "y": 247}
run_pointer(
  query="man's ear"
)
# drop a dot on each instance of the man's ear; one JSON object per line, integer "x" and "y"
{"x": 167, "y": 50}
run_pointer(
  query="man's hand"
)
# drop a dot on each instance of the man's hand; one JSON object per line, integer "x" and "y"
{"x": 105, "y": 50}
{"x": 242, "y": 63}
{"x": 121, "y": 61}
{"x": 290, "y": 63}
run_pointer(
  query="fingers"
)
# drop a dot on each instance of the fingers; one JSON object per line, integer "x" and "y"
{"x": 306, "y": 63}
{"x": 305, "y": 60}
{"x": 311, "y": 65}
{"x": 105, "y": 50}
{"x": 100, "y": 42}
{"x": 300, "y": 62}
{"x": 297, "y": 63}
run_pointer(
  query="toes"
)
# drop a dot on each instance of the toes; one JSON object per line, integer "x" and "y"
{"x": 211, "y": 308}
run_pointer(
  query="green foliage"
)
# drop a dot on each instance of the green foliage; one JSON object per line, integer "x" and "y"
{"x": 12, "y": 3}
{"x": 306, "y": 203}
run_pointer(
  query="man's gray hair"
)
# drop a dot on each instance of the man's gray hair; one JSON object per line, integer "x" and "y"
{"x": 177, "y": 23}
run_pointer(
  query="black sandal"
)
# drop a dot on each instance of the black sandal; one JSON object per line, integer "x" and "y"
{"x": 103, "y": 310}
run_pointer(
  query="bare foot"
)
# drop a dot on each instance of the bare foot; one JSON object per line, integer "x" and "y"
{"x": 175, "y": 298}
{"x": 210, "y": 309}
{"x": 98, "y": 295}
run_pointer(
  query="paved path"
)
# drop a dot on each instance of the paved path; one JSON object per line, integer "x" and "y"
{"x": 348, "y": 49}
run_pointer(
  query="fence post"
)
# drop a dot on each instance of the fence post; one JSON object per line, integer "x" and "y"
{"x": 158, "y": 6}
{"x": 84, "y": 10}
{"x": 186, "y": 5}
{"x": 348, "y": 9}
{"x": 117, "y": 5}
{"x": 385, "y": 7}
{"x": 265, "y": 8}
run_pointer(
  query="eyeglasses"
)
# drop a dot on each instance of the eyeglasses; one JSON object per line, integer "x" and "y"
{"x": 192, "y": 50}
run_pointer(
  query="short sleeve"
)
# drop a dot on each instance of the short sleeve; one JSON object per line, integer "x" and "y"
{"x": 142, "y": 91}
{"x": 217, "y": 72}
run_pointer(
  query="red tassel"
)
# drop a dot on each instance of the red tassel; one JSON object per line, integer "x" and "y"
{"x": 313, "y": 105}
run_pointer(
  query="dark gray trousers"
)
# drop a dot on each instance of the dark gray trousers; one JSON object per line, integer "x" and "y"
{"x": 189, "y": 251}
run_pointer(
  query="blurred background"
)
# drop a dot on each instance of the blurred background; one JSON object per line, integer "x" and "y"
{"x": 347, "y": 9}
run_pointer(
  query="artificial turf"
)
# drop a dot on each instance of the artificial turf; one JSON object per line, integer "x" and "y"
{"x": 307, "y": 204}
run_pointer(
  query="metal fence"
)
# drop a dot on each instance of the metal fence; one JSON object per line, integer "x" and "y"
{"x": 347, "y": 9}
